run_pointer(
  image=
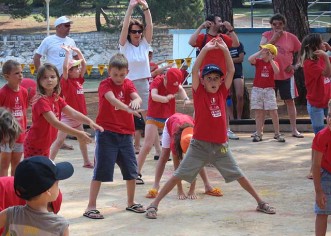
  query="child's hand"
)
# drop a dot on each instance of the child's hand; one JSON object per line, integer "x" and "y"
{"x": 96, "y": 127}
{"x": 67, "y": 48}
{"x": 187, "y": 102}
{"x": 133, "y": 3}
{"x": 320, "y": 53}
{"x": 211, "y": 44}
{"x": 134, "y": 104}
{"x": 327, "y": 46}
{"x": 75, "y": 49}
{"x": 84, "y": 137}
{"x": 134, "y": 112}
{"x": 321, "y": 200}
{"x": 143, "y": 3}
{"x": 170, "y": 96}
{"x": 221, "y": 44}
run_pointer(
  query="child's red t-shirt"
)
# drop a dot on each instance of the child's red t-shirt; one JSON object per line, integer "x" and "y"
{"x": 321, "y": 143}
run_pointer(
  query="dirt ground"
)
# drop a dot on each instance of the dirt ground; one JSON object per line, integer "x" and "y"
{"x": 277, "y": 170}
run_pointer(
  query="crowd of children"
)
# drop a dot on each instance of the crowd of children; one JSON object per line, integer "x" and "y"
{"x": 59, "y": 108}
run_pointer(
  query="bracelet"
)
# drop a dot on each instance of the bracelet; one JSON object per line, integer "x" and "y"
{"x": 230, "y": 31}
{"x": 146, "y": 9}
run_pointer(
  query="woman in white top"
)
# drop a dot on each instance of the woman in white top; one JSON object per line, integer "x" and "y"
{"x": 134, "y": 44}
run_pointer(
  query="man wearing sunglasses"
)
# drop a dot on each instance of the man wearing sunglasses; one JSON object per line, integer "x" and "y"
{"x": 287, "y": 44}
{"x": 51, "y": 45}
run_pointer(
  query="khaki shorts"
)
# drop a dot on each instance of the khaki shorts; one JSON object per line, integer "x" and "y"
{"x": 263, "y": 99}
{"x": 201, "y": 153}
{"x": 142, "y": 87}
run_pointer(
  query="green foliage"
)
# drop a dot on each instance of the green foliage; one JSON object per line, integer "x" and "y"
{"x": 18, "y": 9}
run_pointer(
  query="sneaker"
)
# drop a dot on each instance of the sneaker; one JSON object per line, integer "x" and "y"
{"x": 257, "y": 138}
{"x": 280, "y": 138}
{"x": 255, "y": 133}
{"x": 232, "y": 135}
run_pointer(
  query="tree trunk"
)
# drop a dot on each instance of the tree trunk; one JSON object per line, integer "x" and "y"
{"x": 97, "y": 18}
{"x": 220, "y": 8}
{"x": 295, "y": 12}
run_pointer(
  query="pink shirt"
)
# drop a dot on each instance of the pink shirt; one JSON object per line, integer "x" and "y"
{"x": 158, "y": 109}
{"x": 109, "y": 117}
{"x": 17, "y": 103}
{"x": 73, "y": 93}
{"x": 210, "y": 116}
{"x": 321, "y": 143}
{"x": 287, "y": 44}
{"x": 318, "y": 86}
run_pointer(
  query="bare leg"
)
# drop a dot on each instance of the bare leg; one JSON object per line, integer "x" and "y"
{"x": 157, "y": 145}
{"x": 160, "y": 166}
{"x": 259, "y": 120}
{"x": 130, "y": 189}
{"x": 292, "y": 113}
{"x": 239, "y": 88}
{"x": 15, "y": 160}
{"x": 94, "y": 191}
{"x": 191, "y": 193}
{"x": 205, "y": 180}
{"x": 57, "y": 144}
{"x": 275, "y": 120}
{"x": 180, "y": 191}
{"x": 245, "y": 184}
{"x": 321, "y": 224}
{"x": 83, "y": 149}
{"x": 4, "y": 163}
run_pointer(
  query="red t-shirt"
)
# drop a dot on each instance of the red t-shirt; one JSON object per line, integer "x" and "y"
{"x": 158, "y": 109}
{"x": 210, "y": 116}
{"x": 286, "y": 45}
{"x": 264, "y": 74}
{"x": 73, "y": 93}
{"x": 321, "y": 143}
{"x": 317, "y": 85}
{"x": 31, "y": 86}
{"x": 214, "y": 56}
{"x": 173, "y": 123}
{"x": 42, "y": 134}
{"x": 17, "y": 103}
{"x": 153, "y": 66}
{"x": 110, "y": 117}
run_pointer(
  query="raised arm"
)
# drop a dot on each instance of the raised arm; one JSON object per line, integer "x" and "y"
{"x": 80, "y": 57}
{"x": 229, "y": 63}
{"x": 232, "y": 34}
{"x": 126, "y": 22}
{"x": 36, "y": 60}
{"x": 148, "y": 20}
{"x": 66, "y": 61}
{"x": 252, "y": 58}
{"x": 193, "y": 39}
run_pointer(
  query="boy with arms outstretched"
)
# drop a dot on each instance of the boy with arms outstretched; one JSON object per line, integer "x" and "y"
{"x": 209, "y": 142}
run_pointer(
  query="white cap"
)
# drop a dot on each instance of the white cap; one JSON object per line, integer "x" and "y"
{"x": 62, "y": 20}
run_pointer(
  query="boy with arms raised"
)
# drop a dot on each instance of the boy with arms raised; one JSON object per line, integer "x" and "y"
{"x": 209, "y": 141}
{"x": 118, "y": 100}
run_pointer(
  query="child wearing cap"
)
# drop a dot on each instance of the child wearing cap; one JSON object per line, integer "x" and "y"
{"x": 118, "y": 102}
{"x": 210, "y": 119}
{"x": 263, "y": 96}
{"x": 72, "y": 90}
{"x": 161, "y": 105}
{"x": 176, "y": 137}
{"x": 36, "y": 181}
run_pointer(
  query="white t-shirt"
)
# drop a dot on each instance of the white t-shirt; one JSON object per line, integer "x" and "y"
{"x": 51, "y": 48}
{"x": 138, "y": 59}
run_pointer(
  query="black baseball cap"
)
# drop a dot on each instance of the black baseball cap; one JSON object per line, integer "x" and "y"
{"x": 35, "y": 175}
{"x": 211, "y": 68}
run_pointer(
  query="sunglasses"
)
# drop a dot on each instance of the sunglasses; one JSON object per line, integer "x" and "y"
{"x": 277, "y": 24}
{"x": 136, "y": 31}
{"x": 67, "y": 25}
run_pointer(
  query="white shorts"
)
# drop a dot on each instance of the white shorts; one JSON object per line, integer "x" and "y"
{"x": 18, "y": 147}
{"x": 166, "y": 139}
{"x": 263, "y": 99}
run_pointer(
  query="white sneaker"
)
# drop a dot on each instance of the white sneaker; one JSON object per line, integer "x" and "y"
{"x": 232, "y": 135}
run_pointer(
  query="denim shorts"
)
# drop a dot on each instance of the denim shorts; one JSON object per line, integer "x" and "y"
{"x": 18, "y": 147}
{"x": 201, "y": 153}
{"x": 317, "y": 116}
{"x": 326, "y": 186}
{"x": 114, "y": 148}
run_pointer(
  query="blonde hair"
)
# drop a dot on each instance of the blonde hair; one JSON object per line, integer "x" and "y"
{"x": 10, "y": 129}
{"x": 118, "y": 61}
{"x": 40, "y": 74}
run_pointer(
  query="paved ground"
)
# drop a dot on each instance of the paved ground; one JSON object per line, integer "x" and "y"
{"x": 277, "y": 170}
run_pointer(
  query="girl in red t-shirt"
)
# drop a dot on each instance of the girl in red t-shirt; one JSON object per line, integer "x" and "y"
{"x": 46, "y": 114}
{"x": 14, "y": 97}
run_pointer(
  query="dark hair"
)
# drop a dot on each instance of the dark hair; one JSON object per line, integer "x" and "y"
{"x": 278, "y": 17}
{"x": 177, "y": 137}
{"x": 118, "y": 61}
{"x": 211, "y": 17}
{"x": 134, "y": 22}
{"x": 9, "y": 127}
{"x": 310, "y": 43}
{"x": 8, "y": 66}
{"x": 40, "y": 74}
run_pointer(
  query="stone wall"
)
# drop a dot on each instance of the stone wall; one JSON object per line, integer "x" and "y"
{"x": 97, "y": 47}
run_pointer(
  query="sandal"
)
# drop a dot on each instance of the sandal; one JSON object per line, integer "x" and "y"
{"x": 93, "y": 214}
{"x": 137, "y": 208}
{"x": 280, "y": 138}
{"x": 151, "y": 212}
{"x": 266, "y": 208}
{"x": 152, "y": 193}
{"x": 139, "y": 180}
{"x": 217, "y": 192}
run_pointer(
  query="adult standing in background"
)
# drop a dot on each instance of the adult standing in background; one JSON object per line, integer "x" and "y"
{"x": 51, "y": 45}
{"x": 55, "y": 54}
{"x": 134, "y": 43}
{"x": 287, "y": 44}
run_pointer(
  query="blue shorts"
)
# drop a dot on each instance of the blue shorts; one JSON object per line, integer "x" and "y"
{"x": 326, "y": 186}
{"x": 114, "y": 148}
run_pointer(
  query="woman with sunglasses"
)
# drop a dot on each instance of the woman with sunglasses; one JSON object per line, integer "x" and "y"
{"x": 135, "y": 40}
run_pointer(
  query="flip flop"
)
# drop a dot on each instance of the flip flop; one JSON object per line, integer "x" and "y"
{"x": 139, "y": 180}
{"x": 137, "y": 208}
{"x": 89, "y": 166}
{"x": 152, "y": 193}
{"x": 151, "y": 212}
{"x": 93, "y": 214}
{"x": 216, "y": 192}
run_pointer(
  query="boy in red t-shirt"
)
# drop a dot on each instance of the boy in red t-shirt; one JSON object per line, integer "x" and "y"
{"x": 321, "y": 168}
{"x": 209, "y": 141}
{"x": 15, "y": 98}
{"x": 263, "y": 97}
{"x": 72, "y": 91}
{"x": 118, "y": 102}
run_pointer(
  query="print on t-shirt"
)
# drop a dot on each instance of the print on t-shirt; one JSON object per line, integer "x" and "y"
{"x": 214, "y": 108}
{"x": 120, "y": 97}
{"x": 265, "y": 72}
{"x": 18, "y": 109}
